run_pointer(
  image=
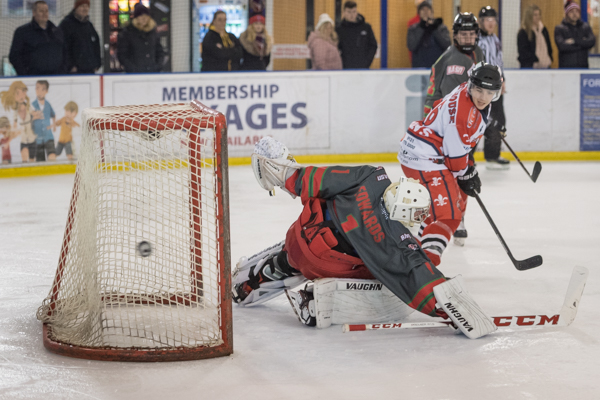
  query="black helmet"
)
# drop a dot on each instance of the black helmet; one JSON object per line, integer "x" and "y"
{"x": 486, "y": 76}
{"x": 488, "y": 12}
{"x": 465, "y": 22}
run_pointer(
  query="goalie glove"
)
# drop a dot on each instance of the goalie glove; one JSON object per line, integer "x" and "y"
{"x": 470, "y": 182}
{"x": 273, "y": 164}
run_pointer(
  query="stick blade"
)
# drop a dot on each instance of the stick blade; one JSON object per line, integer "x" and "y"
{"x": 529, "y": 263}
{"x": 537, "y": 169}
{"x": 574, "y": 292}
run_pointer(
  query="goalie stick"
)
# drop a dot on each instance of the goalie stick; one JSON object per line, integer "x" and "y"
{"x": 565, "y": 317}
{"x": 537, "y": 167}
{"x": 521, "y": 265}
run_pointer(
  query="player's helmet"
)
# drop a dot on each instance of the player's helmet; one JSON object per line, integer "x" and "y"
{"x": 486, "y": 76}
{"x": 407, "y": 201}
{"x": 488, "y": 12}
{"x": 465, "y": 22}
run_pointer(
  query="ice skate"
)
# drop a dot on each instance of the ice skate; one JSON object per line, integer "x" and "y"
{"x": 303, "y": 304}
{"x": 461, "y": 234}
{"x": 498, "y": 164}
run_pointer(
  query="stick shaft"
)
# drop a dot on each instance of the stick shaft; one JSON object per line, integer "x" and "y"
{"x": 532, "y": 177}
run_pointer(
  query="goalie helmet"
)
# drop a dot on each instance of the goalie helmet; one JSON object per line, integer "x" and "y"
{"x": 407, "y": 201}
{"x": 465, "y": 22}
{"x": 486, "y": 76}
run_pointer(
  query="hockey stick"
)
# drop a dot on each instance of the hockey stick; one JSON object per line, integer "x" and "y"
{"x": 565, "y": 317}
{"x": 537, "y": 167}
{"x": 522, "y": 265}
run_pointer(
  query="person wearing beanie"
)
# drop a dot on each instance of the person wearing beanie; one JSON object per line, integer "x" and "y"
{"x": 256, "y": 45}
{"x": 221, "y": 51}
{"x": 428, "y": 39}
{"x": 138, "y": 44}
{"x": 82, "y": 43}
{"x": 323, "y": 45}
{"x": 574, "y": 38}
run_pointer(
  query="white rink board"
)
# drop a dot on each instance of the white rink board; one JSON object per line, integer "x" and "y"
{"x": 353, "y": 112}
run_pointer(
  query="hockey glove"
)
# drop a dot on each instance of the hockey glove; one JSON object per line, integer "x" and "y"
{"x": 470, "y": 182}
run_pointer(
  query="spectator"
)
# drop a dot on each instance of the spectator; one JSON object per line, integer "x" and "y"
{"x": 414, "y": 20}
{"x": 323, "y": 45}
{"x": 574, "y": 38}
{"x": 221, "y": 51}
{"x": 38, "y": 46}
{"x": 533, "y": 40}
{"x": 256, "y": 45}
{"x": 81, "y": 40}
{"x": 356, "y": 39}
{"x": 428, "y": 39}
{"x": 492, "y": 53}
{"x": 138, "y": 44}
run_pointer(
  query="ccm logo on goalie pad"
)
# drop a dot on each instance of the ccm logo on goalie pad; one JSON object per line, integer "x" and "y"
{"x": 459, "y": 316}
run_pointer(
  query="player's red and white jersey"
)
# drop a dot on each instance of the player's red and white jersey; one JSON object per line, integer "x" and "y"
{"x": 445, "y": 137}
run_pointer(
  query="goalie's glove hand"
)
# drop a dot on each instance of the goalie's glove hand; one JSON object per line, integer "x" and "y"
{"x": 273, "y": 164}
{"x": 470, "y": 182}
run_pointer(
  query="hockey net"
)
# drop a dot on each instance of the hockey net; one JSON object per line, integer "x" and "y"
{"x": 143, "y": 273}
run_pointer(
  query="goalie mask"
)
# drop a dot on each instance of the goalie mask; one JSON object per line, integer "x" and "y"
{"x": 407, "y": 201}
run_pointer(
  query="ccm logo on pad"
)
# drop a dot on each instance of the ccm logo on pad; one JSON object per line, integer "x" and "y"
{"x": 455, "y": 70}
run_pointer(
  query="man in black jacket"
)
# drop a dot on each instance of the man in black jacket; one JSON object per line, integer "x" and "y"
{"x": 428, "y": 39}
{"x": 82, "y": 43}
{"x": 38, "y": 46}
{"x": 357, "y": 41}
{"x": 574, "y": 38}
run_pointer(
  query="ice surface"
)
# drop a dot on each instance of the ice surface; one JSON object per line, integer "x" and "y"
{"x": 277, "y": 358}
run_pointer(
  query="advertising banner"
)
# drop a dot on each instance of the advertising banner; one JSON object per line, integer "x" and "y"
{"x": 590, "y": 112}
{"x": 40, "y": 118}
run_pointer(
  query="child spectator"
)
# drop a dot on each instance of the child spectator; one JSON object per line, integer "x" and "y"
{"x": 323, "y": 45}
{"x": 5, "y": 138}
{"x": 256, "y": 45}
{"x": 22, "y": 126}
{"x": 66, "y": 124}
{"x": 43, "y": 127}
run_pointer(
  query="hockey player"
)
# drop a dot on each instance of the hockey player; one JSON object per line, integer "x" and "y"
{"x": 452, "y": 68}
{"x": 436, "y": 152}
{"x": 350, "y": 227}
{"x": 492, "y": 52}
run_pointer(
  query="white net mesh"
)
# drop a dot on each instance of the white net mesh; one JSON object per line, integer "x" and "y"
{"x": 141, "y": 261}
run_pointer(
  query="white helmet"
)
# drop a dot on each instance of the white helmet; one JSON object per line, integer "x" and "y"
{"x": 407, "y": 201}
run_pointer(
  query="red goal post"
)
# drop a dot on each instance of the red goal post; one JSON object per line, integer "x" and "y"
{"x": 155, "y": 175}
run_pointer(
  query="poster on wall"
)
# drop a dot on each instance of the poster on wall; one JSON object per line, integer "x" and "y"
{"x": 40, "y": 118}
{"x": 589, "y": 139}
{"x": 292, "y": 109}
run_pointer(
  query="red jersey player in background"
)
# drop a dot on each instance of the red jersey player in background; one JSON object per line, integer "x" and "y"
{"x": 436, "y": 152}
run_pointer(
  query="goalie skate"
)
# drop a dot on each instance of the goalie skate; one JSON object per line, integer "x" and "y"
{"x": 246, "y": 286}
{"x": 303, "y": 304}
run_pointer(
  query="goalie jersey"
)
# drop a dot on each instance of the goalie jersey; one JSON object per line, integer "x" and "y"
{"x": 444, "y": 139}
{"x": 354, "y": 204}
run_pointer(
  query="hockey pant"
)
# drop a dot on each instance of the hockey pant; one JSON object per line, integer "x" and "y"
{"x": 312, "y": 247}
{"x": 448, "y": 204}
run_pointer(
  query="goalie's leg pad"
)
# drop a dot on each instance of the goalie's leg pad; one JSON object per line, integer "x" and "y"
{"x": 356, "y": 301}
{"x": 466, "y": 314}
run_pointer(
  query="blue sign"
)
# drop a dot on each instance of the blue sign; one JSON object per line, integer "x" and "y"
{"x": 589, "y": 133}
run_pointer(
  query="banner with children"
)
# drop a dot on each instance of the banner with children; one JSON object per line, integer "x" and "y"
{"x": 40, "y": 118}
